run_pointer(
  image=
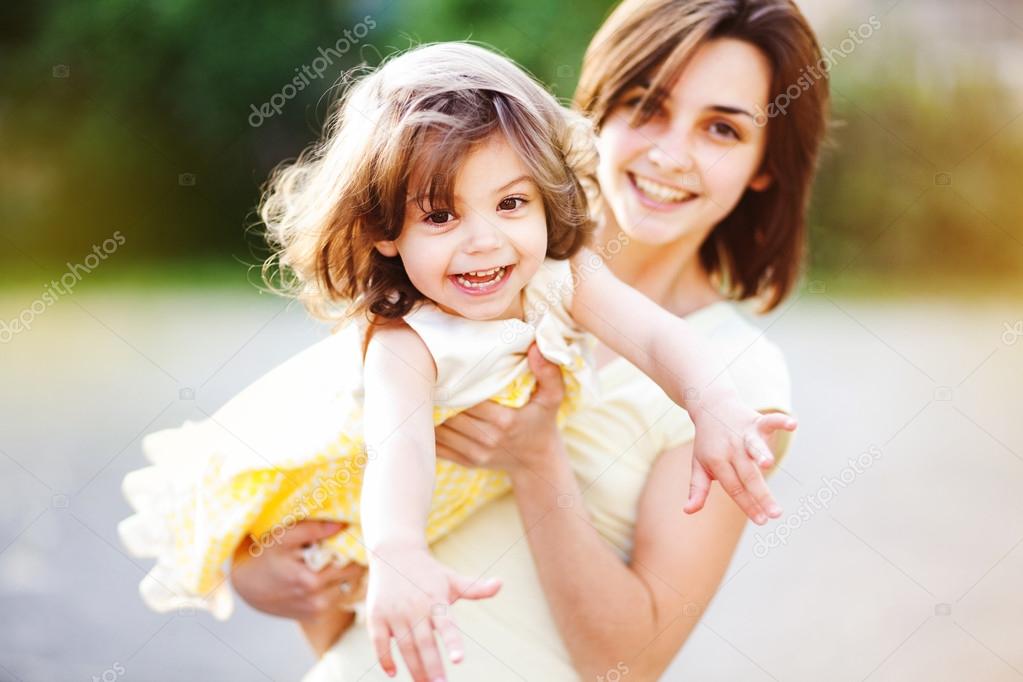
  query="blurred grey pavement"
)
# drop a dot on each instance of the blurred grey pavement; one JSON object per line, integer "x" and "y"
{"x": 905, "y": 564}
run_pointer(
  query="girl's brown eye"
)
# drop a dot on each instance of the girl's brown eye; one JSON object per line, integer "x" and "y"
{"x": 439, "y": 217}
{"x": 511, "y": 203}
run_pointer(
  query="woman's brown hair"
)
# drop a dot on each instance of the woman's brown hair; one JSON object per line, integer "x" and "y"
{"x": 415, "y": 118}
{"x": 757, "y": 250}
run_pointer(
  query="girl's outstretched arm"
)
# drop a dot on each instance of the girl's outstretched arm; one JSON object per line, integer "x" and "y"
{"x": 731, "y": 438}
{"x": 409, "y": 590}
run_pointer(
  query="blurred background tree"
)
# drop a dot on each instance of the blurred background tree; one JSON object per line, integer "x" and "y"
{"x": 139, "y": 116}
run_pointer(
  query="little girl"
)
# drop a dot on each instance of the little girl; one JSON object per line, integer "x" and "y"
{"x": 445, "y": 209}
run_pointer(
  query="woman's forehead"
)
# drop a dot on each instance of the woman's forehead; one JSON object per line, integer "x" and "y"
{"x": 724, "y": 72}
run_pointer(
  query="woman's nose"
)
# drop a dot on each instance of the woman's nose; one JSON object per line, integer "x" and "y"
{"x": 672, "y": 158}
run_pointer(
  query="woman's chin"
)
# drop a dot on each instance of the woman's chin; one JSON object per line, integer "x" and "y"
{"x": 656, "y": 230}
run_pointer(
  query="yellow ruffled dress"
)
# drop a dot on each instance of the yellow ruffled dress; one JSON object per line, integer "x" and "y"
{"x": 289, "y": 447}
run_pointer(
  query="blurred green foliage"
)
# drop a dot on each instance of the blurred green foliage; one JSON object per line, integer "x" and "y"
{"x": 138, "y": 116}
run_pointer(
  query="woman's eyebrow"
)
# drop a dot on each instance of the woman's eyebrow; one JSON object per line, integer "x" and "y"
{"x": 725, "y": 109}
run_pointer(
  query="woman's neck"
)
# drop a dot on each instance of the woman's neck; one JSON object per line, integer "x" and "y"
{"x": 671, "y": 275}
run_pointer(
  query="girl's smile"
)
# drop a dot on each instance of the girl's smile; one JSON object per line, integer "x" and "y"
{"x": 482, "y": 282}
{"x": 474, "y": 259}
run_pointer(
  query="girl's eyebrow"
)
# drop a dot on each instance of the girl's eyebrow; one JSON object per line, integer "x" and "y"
{"x": 496, "y": 191}
{"x": 513, "y": 182}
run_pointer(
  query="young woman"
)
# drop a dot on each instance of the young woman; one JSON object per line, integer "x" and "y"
{"x": 705, "y": 188}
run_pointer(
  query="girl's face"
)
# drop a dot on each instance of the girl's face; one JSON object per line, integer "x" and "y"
{"x": 681, "y": 172}
{"x": 474, "y": 258}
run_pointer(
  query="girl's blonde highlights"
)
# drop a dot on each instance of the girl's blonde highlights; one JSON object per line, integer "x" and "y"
{"x": 415, "y": 118}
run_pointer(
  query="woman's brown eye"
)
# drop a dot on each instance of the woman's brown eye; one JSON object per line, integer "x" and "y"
{"x": 725, "y": 130}
{"x": 511, "y": 203}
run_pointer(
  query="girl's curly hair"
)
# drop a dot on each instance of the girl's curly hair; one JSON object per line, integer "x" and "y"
{"x": 419, "y": 114}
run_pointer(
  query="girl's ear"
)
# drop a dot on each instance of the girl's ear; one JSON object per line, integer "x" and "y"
{"x": 761, "y": 182}
{"x": 388, "y": 249}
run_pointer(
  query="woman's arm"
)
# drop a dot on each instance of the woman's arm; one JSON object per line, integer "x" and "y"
{"x": 611, "y": 613}
{"x": 276, "y": 580}
{"x": 608, "y": 612}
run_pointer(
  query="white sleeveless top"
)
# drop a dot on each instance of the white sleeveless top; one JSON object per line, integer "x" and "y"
{"x": 612, "y": 443}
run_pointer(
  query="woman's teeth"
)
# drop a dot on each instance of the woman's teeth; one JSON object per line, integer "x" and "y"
{"x": 481, "y": 278}
{"x": 664, "y": 194}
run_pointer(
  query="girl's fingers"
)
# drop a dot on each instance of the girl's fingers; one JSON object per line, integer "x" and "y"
{"x": 429, "y": 654}
{"x": 699, "y": 488}
{"x": 775, "y": 421}
{"x": 449, "y": 634}
{"x": 410, "y": 652}
{"x": 380, "y": 635}
{"x": 461, "y": 587}
{"x": 757, "y": 448}
{"x": 736, "y": 489}
{"x": 754, "y": 481}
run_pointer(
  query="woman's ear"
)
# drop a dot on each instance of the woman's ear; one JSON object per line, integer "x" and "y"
{"x": 761, "y": 182}
{"x": 388, "y": 249}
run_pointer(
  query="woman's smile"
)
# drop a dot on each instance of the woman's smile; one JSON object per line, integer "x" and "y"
{"x": 658, "y": 196}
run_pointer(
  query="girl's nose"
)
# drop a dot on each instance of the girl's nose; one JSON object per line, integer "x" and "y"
{"x": 483, "y": 235}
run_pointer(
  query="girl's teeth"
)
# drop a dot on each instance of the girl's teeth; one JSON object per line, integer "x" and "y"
{"x": 499, "y": 272}
{"x": 659, "y": 192}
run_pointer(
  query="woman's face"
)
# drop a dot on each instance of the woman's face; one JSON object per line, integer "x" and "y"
{"x": 681, "y": 172}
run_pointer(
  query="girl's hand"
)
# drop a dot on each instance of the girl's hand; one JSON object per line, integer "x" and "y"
{"x": 731, "y": 440}
{"x": 407, "y": 599}
{"x": 276, "y": 580}
{"x": 492, "y": 436}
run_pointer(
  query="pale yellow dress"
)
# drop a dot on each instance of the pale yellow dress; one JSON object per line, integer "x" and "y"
{"x": 612, "y": 443}
{"x": 289, "y": 447}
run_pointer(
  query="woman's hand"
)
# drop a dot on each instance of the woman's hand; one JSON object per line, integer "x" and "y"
{"x": 407, "y": 599}
{"x": 496, "y": 437}
{"x": 276, "y": 580}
